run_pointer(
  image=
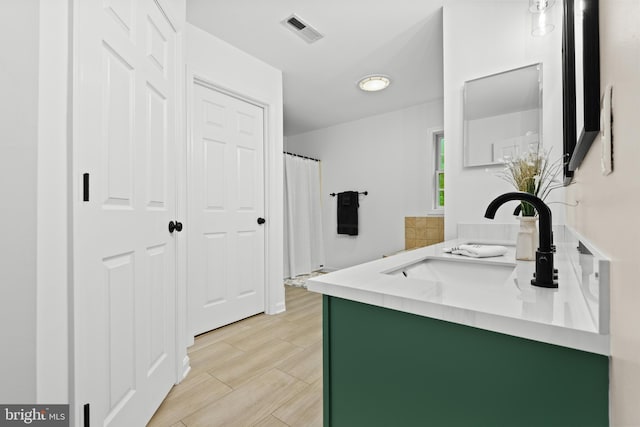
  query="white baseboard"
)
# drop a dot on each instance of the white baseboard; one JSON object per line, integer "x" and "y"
{"x": 277, "y": 308}
{"x": 186, "y": 367}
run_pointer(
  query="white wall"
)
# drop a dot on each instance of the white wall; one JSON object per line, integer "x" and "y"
{"x": 483, "y": 37}
{"x": 608, "y": 206}
{"x": 18, "y": 177}
{"x": 391, "y": 156}
{"x": 52, "y": 191}
{"x": 490, "y": 133}
{"x": 231, "y": 69}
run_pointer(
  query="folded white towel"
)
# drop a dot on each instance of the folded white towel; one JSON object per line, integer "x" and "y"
{"x": 477, "y": 251}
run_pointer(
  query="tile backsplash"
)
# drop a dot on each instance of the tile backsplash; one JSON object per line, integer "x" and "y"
{"x": 422, "y": 231}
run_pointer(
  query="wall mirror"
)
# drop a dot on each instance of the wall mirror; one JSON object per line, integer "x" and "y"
{"x": 502, "y": 115}
{"x": 581, "y": 80}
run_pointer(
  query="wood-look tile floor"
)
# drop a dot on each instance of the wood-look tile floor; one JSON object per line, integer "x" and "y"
{"x": 262, "y": 371}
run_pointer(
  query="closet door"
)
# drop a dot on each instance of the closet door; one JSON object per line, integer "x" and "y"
{"x": 124, "y": 255}
{"x": 226, "y": 205}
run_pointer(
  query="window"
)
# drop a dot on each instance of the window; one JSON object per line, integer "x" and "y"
{"x": 438, "y": 138}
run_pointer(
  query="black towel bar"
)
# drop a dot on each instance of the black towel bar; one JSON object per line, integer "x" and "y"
{"x": 366, "y": 193}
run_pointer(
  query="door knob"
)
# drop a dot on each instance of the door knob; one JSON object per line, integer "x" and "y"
{"x": 175, "y": 226}
{"x": 261, "y": 221}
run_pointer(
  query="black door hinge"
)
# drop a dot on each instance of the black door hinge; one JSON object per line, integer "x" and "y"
{"x": 87, "y": 418}
{"x": 85, "y": 187}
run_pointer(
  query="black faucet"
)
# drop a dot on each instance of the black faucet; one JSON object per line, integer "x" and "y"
{"x": 517, "y": 211}
{"x": 544, "y": 276}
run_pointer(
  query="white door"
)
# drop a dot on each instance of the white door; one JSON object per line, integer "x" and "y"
{"x": 124, "y": 256}
{"x": 226, "y": 199}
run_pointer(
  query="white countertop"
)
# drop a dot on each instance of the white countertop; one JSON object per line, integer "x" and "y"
{"x": 514, "y": 307}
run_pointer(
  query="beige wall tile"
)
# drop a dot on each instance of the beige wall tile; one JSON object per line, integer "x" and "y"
{"x": 421, "y": 243}
{"x": 432, "y": 222}
{"x": 422, "y": 233}
{"x": 410, "y": 233}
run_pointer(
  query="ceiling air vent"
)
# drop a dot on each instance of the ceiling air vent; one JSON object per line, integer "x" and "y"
{"x": 302, "y": 29}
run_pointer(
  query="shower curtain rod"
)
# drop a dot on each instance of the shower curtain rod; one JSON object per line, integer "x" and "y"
{"x": 304, "y": 157}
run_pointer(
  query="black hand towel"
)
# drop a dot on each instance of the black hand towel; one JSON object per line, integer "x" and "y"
{"x": 348, "y": 213}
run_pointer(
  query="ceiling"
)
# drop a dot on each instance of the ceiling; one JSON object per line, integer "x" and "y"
{"x": 402, "y": 39}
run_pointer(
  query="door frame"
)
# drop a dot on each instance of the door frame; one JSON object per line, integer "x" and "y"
{"x": 195, "y": 76}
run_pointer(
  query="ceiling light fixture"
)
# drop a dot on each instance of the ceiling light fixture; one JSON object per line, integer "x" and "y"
{"x": 374, "y": 82}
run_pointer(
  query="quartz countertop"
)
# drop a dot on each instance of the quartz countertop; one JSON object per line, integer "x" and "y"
{"x": 559, "y": 316}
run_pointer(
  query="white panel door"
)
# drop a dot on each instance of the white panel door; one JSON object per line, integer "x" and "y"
{"x": 226, "y": 198}
{"x": 124, "y": 255}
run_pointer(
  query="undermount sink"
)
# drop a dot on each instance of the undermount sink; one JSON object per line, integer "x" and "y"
{"x": 467, "y": 272}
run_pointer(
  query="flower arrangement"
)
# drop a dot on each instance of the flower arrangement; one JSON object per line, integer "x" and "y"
{"x": 533, "y": 173}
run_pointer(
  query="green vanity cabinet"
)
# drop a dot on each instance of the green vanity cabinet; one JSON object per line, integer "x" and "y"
{"x": 393, "y": 369}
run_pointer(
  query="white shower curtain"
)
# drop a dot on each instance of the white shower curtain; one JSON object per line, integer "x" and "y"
{"x": 303, "y": 244}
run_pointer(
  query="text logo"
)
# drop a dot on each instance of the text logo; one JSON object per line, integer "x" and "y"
{"x": 34, "y": 415}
